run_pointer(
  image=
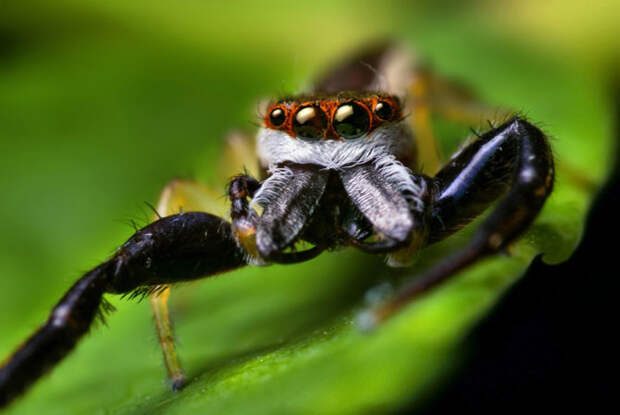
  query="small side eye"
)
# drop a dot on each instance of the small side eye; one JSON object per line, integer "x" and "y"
{"x": 351, "y": 121}
{"x": 309, "y": 123}
{"x": 277, "y": 117}
{"x": 383, "y": 110}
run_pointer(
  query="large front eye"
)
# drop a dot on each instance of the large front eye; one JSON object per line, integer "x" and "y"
{"x": 309, "y": 123}
{"x": 351, "y": 120}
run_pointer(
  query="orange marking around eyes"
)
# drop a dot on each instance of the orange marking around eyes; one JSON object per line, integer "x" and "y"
{"x": 329, "y": 105}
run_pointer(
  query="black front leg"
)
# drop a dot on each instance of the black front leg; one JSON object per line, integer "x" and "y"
{"x": 513, "y": 160}
{"x": 173, "y": 249}
{"x": 67, "y": 323}
{"x": 176, "y": 248}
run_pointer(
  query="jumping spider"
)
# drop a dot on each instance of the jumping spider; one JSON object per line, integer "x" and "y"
{"x": 339, "y": 168}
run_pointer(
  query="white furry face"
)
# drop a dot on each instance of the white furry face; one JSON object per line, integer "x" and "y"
{"x": 276, "y": 147}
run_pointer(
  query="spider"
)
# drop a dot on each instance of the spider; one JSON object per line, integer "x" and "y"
{"x": 340, "y": 167}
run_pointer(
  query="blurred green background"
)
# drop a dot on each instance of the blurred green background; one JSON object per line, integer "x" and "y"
{"x": 103, "y": 102}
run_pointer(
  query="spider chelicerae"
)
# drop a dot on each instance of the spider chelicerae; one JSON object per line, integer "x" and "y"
{"x": 339, "y": 167}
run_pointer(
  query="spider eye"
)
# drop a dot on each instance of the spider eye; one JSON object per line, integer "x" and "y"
{"x": 383, "y": 110}
{"x": 351, "y": 120}
{"x": 277, "y": 117}
{"x": 309, "y": 123}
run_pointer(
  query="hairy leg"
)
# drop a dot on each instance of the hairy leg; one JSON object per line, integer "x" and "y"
{"x": 70, "y": 319}
{"x": 177, "y": 248}
{"x": 511, "y": 163}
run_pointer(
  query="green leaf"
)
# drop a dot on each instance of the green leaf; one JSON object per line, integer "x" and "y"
{"x": 102, "y": 102}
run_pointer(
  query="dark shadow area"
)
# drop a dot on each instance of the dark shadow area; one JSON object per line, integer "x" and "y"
{"x": 548, "y": 343}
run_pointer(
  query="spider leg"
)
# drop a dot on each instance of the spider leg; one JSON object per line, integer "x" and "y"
{"x": 452, "y": 100}
{"x": 163, "y": 324}
{"x": 178, "y": 196}
{"x": 239, "y": 153}
{"x": 176, "y": 248}
{"x": 244, "y": 219}
{"x": 513, "y": 160}
{"x": 431, "y": 94}
{"x": 185, "y": 196}
{"x": 69, "y": 320}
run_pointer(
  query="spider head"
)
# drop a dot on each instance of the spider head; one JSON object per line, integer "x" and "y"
{"x": 333, "y": 131}
{"x": 350, "y": 150}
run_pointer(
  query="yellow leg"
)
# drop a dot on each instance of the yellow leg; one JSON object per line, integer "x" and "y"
{"x": 239, "y": 155}
{"x": 431, "y": 94}
{"x": 159, "y": 305}
{"x": 185, "y": 196}
{"x": 429, "y": 157}
{"x": 454, "y": 101}
{"x": 177, "y": 196}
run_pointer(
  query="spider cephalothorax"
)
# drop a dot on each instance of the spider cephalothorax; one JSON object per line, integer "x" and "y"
{"x": 342, "y": 156}
{"x": 339, "y": 170}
